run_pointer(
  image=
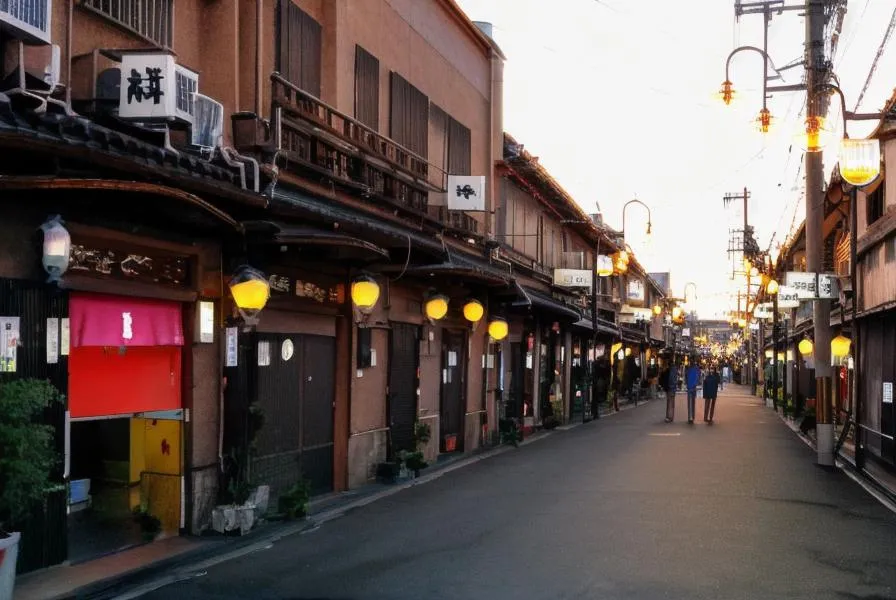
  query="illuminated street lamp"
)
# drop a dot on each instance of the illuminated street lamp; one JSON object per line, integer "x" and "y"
{"x": 473, "y": 311}
{"x": 498, "y": 328}
{"x": 859, "y": 161}
{"x": 806, "y": 347}
{"x": 250, "y": 290}
{"x": 436, "y": 306}
{"x": 840, "y": 346}
{"x": 604, "y": 265}
{"x": 57, "y": 248}
{"x": 365, "y": 291}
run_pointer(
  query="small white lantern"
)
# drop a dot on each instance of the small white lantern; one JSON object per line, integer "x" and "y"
{"x": 859, "y": 161}
{"x": 57, "y": 248}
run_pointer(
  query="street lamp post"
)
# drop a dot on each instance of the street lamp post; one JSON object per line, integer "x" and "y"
{"x": 625, "y": 206}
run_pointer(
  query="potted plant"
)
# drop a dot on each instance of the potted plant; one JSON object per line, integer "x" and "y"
{"x": 27, "y": 458}
{"x": 294, "y": 503}
{"x": 150, "y": 525}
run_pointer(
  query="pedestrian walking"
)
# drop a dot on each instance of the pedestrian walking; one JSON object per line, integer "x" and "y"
{"x": 669, "y": 380}
{"x": 692, "y": 380}
{"x": 710, "y": 391}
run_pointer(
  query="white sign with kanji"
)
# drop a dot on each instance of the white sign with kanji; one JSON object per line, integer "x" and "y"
{"x": 813, "y": 286}
{"x": 466, "y": 192}
{"x": 155, "y": 88}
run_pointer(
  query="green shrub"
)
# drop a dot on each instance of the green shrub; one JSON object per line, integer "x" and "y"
{"x": 27, "y": 455}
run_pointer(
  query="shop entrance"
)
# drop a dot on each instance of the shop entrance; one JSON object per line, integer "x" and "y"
{"x": 452, "y": 406}
{"x": 125, "y": 436}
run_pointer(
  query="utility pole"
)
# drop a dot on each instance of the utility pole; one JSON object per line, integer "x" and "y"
{"x": 816, "y": 74}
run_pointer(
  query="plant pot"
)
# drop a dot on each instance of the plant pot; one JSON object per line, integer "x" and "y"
{"x": 388, "y": 472}
{"x": 9, "y": 551}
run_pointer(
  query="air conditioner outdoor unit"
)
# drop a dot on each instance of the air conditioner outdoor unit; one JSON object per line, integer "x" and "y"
{"x": 208, "y": 122}
{"x": 27, "y": 20}
{"x": 155, "y": 88}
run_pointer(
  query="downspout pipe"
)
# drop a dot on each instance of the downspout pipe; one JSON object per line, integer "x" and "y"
{"x": 259, "y": 58}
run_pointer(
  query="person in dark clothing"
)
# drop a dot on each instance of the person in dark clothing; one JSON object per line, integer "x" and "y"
{"x": 669, "y": 381}
{"x": 601, "y": 385}
{"x": 710, "y": 392}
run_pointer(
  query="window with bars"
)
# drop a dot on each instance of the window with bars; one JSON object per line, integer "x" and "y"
{"x": 299, "y": 48}
{"x": 151, "y": 19}
{"x": 367, "y": 88}
{"x": 409, "y": 116}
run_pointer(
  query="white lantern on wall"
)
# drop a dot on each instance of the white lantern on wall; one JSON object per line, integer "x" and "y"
{"x": 57, "y": 248}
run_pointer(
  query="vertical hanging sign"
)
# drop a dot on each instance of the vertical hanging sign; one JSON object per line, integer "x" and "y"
{"x": 231, "y": 347}
{"x": 52, "y": 341}
{"x": 65, "y": 338}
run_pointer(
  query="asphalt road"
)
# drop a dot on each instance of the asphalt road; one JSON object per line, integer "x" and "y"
{"x": 625, "y": 507}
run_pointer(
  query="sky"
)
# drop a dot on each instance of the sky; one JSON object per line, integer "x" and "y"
{"x": 618, "y": 99}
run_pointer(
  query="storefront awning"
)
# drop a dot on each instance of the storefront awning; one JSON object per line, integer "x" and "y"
{"x": 603, "y": 326}
{"x": 281, "y": 234}
{"x": 539, "y": 300}
{"x": 631, "y": 336}
{"x": 118, "y": 321}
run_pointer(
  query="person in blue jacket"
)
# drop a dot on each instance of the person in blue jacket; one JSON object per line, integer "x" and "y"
{"x": 711, "y": 384}
{"x": 692, "y": 379}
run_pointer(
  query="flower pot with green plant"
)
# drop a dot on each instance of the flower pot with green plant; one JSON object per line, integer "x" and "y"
{"x": 294, "y": 503}
{"x": 27, "y": 459}
{"x": 150, "y": 525}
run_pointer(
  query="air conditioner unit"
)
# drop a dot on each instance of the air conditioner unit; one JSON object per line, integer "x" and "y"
{"x": 27, "y": 20}
{"x": 208, "y": 122}
{"x": 154, "y": 88}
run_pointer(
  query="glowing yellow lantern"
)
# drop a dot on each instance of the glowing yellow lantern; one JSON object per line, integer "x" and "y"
{"x": 859, "y": 161}
{"x": 772, "y": 287}
{"x": 498, "y": 328}
{"x": 436, "y": 306}
{"x": 604, "y": 265}
{"x": 473, "y": 310}
{"x": 676, "y": 312}
{"x": 742, "y": 323}
{"x": 840, "y": 346}
{"x": 806, "y": 347}
{"x": 628, "y": 351}
{"x": 816, "y": 136}
{"x": 623, "y": 256}
{"x": 657, "y": 310}
{"x": 365, "y": 292}
{"x": 764, "y": 121}
{"x": 727, "y": 93}
{"x": 769, "y": 354}
{"x": 250, "y": 290}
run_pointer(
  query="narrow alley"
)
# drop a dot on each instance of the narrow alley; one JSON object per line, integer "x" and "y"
{"x": 623, "y": 507}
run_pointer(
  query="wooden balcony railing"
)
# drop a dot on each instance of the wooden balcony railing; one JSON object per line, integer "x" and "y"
{"x": 319, "y": 136}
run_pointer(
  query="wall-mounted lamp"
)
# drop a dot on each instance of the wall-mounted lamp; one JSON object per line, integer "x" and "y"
{"x": 859, "y": 161}
{"x": 772, "y": 287}
{"x": 473, "y": 311}
{"x": 365, "y": 292}
{"x": 806, "y": 347}
{"x": 498, "y": 328}
{"x": 436, "y": 306}
{"x": 604, "y": 265}
{"x": 250, "y": 290}
{"x": 57, "y": 248}
{"x": 840, "y": 346}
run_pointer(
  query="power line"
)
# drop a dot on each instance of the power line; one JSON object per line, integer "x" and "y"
{"x": 880, "y": 51}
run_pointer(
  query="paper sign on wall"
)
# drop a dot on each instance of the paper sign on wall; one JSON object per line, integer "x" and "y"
{"x": 52, "y": 341}
{"x": 65, "y": 337}
{"x": 231, "y": 336}
{"x": 9, "y": 343}
{"x": 888, "y": 392}
{"x": 264, "y": 354}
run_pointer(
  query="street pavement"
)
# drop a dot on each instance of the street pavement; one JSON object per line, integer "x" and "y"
{"x": 624, "y": 507}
